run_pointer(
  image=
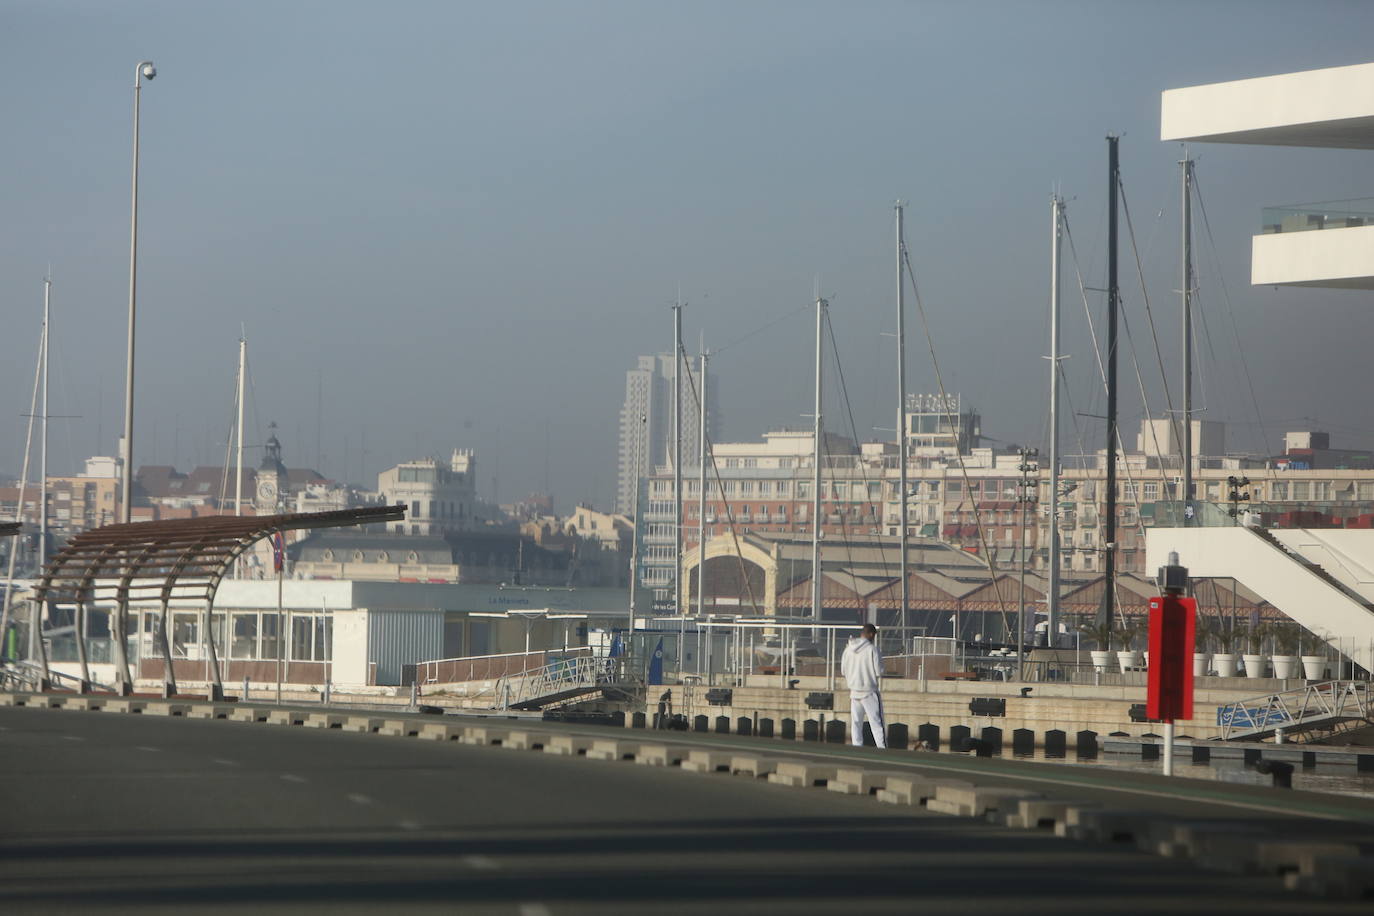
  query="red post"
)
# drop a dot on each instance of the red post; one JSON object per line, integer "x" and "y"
{"x": 1173, "y": 622}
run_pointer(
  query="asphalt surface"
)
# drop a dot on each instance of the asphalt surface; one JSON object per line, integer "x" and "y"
{"x": 118, "y": 813}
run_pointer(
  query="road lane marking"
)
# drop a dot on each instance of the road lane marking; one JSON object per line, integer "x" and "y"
{"x": 292, "y": 777}
{"x": 72, "y": 738}
{"x": 408, "y": 825}
{"x": 480, "y": 863}
{"x": 359, "y": 799}
{"x": 144, "y": 747}
{"x": 225, "y": 763}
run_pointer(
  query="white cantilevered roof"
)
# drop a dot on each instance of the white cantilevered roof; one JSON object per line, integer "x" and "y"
{"x": 1333, "y": 107}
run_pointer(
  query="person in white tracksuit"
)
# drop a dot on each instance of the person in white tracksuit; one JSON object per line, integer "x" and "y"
{"x": 862, "y": 666}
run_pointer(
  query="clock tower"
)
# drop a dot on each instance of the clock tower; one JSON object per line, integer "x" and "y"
{"x": 271, "y": 477}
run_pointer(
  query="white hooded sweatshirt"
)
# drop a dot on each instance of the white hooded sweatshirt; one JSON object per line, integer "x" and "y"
{"x": 862, "y": 666}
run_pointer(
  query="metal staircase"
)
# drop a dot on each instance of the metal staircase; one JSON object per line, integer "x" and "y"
{"x": 1325, "y": 706}
{"x": 568, "y": 680}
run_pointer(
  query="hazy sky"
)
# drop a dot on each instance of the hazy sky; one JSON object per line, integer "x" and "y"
{"x": 461, "y": 222}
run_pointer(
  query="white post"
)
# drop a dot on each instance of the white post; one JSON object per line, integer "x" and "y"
{"x": 1169, "y": 748}
{"x": 238, "y": 479}
{"x": 144, "y": 68}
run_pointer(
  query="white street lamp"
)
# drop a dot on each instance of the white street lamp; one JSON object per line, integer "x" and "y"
{"x": 144, "y": 70}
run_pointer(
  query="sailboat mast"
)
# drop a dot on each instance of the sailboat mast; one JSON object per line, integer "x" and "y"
{"x": 677, "y": 457}
{"x": 901, "y": 417}
{"x": 1186, "y": 285}
{"x": 816, "y": 452}
{"x": 43, "y": 438}
{"x": 1113, "y": 304}
{"x": 34, "y": 642}
{"x": 1052, "y": 596}
{"x": 238, "y": 477}
{"x": 701, "y": 491}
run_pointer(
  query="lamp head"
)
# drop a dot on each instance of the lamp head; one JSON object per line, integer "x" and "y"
{"x": 147, "y": 70}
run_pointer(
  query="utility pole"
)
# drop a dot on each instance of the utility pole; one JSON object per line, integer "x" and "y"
{"x": 1113, "y": 305}
{"x": 901, "y": 413}
{"x": 1187, "y": 294}
{"x": 1026, "y": 496}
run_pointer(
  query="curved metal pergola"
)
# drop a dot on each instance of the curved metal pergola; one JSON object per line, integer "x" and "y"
{"x": 146, "y": 562}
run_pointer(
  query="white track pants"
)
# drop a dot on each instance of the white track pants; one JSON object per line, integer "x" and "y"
{"x": 871, "y": 708}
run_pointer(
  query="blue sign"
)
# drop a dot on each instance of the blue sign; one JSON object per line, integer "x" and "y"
{"x": 1240, "y": 717}
{"x": 656, "y": 664}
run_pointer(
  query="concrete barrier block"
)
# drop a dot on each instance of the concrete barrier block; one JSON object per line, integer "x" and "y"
{"x": 801, "y": 773}
{"x": 700, "y": 761}
{"x": 399, "y": 728}
{"x": 569, "y": 745}
{"x": 612, "y": 749}
{"x": 1082, "y": 822}
{"x": 441, "y": 731}
{"x": 85, "y": 704}
{"x": 325, "y": 720}
{"x": 520, "y": 740}
{"x": 976, "y": 801}
{"x": 286, "y": 717}
{"x": 861, "y": 781}
{"x": 167, "y": 709}
{"x": 660, "y": 755}
{"x": 9, "y": 699}
{"x": 365, "y": 724}
{"x": 752, "y": 765}
{"x": 51, "y": 701}
{"x": 125, "y": 706}
{"x": 1041, "y": 813}
{"x": 913, "y": 789}
{"x": 485, "y": 735}
{"x": 1339, "y": 877}
{"x": 210, "y": 711}
{"x": 1298, "y": 857}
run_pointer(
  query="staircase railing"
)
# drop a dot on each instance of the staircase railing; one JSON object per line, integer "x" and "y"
{"x": 1303, "y": 707}
{"x": 565, "y": 676}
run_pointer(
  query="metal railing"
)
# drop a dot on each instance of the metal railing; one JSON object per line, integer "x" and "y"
{"x": 566, "y": 677}
{"x": 488, "y": 667}
{"x": 1319, "y": 704}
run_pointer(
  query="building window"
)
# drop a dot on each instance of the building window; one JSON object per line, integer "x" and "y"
{"x": 1301, "y": 491}
{"x": 311, "y": 636}
{"x": 244, "y": 643}
{"x": 1278, "y": 491}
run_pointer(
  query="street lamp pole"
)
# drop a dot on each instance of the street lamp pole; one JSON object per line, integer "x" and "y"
{"x": 145, "y": 69}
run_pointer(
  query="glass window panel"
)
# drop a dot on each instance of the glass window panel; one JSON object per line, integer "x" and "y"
{"x": 301, "y": 638}
{"x": 245, "y": 642}
{"x": 324, "y": 637}
{"x": 186, "y": 635}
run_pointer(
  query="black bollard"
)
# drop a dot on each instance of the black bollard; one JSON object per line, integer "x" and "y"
{"x": 1056, "y": 743}
{"x": 722, "y": 725}
{"x": 701, "y": 724}
{"x": 928, "y": 736}
{"x": 811, "y": 730}
{"x": 993, "y": 736}
{"x": 765, "y": 728}
{"x": 898, "y": 736}
{"x": 1202, "y": 753}
{"x": 789, "y": 729}
{"x": 835, "y": 731}
{"x": 744, "y": 726}
{"x": 1085, "y": 744}
{"x": 1023, "y": 742}
{"x": 958, "y": 738}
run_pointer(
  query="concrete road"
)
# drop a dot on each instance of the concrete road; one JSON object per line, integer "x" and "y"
{"x": 119, "y": 813}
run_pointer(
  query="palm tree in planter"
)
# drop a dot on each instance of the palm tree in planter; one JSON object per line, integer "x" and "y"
{"x": 1287, "y": 637}
{"x": 1100, "y": 635}
{"x": 1128, "y": 630}
{"x": 1252, "y": 637}
{"x": 1225, "y": 638}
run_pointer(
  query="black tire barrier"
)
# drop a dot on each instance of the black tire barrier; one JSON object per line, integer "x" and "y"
{"x": 928, "y": 735}
{"x": 789, "y": 729}
{"x": 958, "y": 738}
{"x": 700, "y": 724}
{"x": 1085, "y": 744}
{"x": 765, "y": 728}
{"x": 1056, "y": 743}
{"x": 898, "y": 736}
{"x": 811, "y": 730}
{"x": 837, "y": 732}
{"x": 722, "y": 725}
{"x": 1202, "y": 753}
{"x": 992, "y": 736}
{"x": 1023, "y": 742}
{"x": 744, "y": 726}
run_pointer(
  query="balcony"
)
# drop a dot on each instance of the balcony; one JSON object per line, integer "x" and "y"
{"x": 1327, "y": 244}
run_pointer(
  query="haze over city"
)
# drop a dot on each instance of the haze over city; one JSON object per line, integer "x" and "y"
{"x": 457, "y": 225}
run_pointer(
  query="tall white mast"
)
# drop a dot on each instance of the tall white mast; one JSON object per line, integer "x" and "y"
{"x": 34, "y": 643}
{"x": 701, "y": 491}
{"x": 817, "y": 451}
{"x": 1052, "y": 597}
{"x": 677, "y": 457}
{"x": 43, "y": 439}
{"x": 238, "y": 477}
{"x": 1187, "y": 293}
{"x": 901, "y": 411}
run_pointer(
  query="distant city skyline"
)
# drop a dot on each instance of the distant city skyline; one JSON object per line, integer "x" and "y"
{"x": 454, "y": 226}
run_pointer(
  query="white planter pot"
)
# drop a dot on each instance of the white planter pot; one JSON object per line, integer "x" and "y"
{"x": 1101, "y": 659}
{"x": 1200, "y": 660}
{"x": 1314, "y": 667}
{"x": 1225, "y": 663}
{"x": 1128, "y": 659}
{"x": 1285, "y": 665}
{"x": 1254, "y": 665}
